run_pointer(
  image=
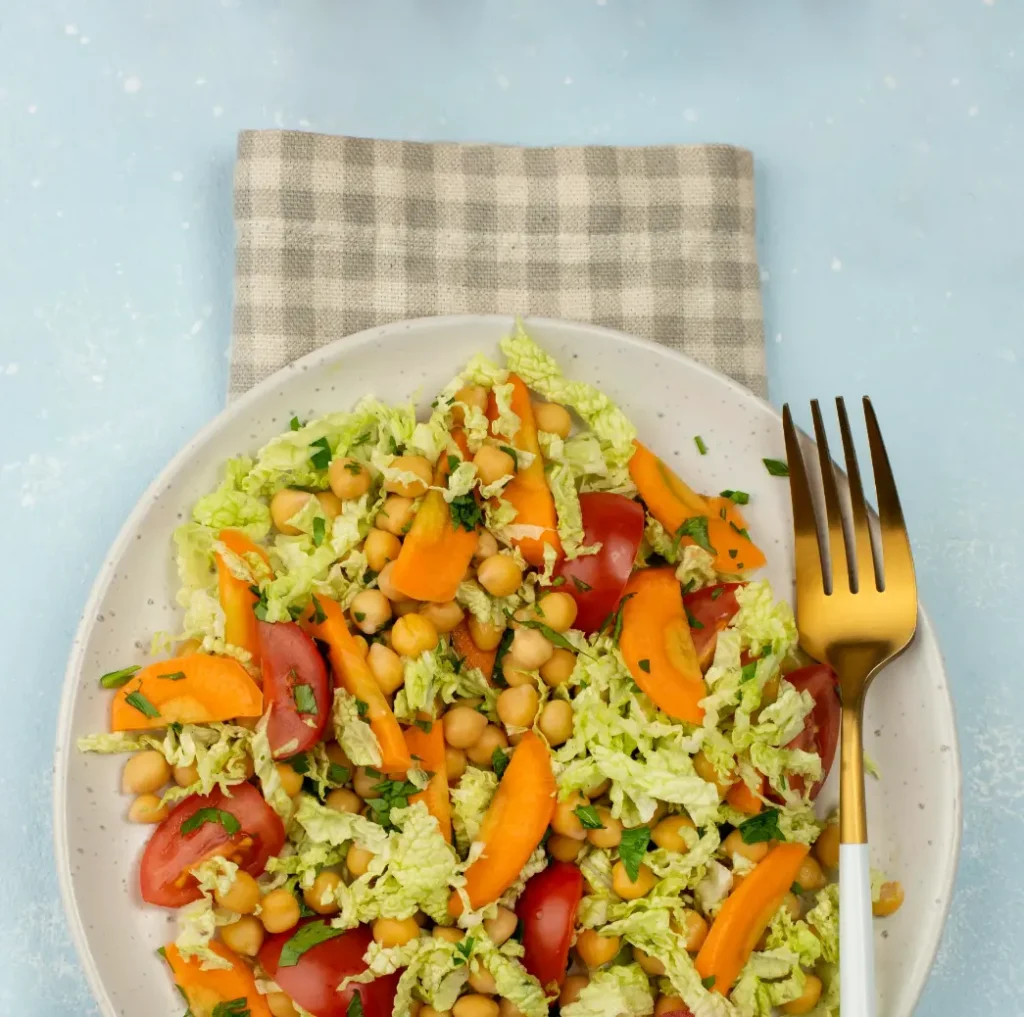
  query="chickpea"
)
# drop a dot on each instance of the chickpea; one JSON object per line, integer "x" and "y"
{"x": 594, "y": 949}
{"x": 463, "y": 727}
{"x": 501, "y": 926}
{"x": 610, "y": 835}
{"x": 810, "y": 876}
{"x": 598, "y": 789}
{"x": 395, "y": 515}
{"x": 429, "y": 1011}
{"x": 827, "y": 847}
{"x": 506, "y": 1008}
{"x": 145, "y": 772}
{"x": 482, "y": 752}
{"x": 694, "y": 929}
{"x": 420, "y": 467}
{"x": 394, "y": 931}
{"x": 357, "y": 861}
{"x": 518, "y": 707}
{"x": 792, "y": 904}
{"x": 405, "y": 606}
{"x": 147, "y": 809}
{"x": 242, "y": 896}
{"x": 290, "y": 780}
{"x": 651, "y": 965}
{"x": 449, "y": 935}
{"x": 286, "y": 504}
{"x": 380, "y": 547}
{"x": 280, "y": 1005}
{"x": 330, "y": 503}
{"x": 529, "y": 649}
{"x": 734, "y": 845}
{"x": 558, "y": 669}
{"x": 348, "y": 477}
{"x": 630, "y": 889}
{"x": 492, "y": 464}
{"x": 473, "y": 396}
{"x": 516, "y": 676}
{"x": 454, "y": 763}
{"x": 668, "y": 1004}
{"x": 486, "y": 546}
{"x": 366, "y": 783}
{"x": 890, "y": 900}
{"x": 564, "y": 849}
{"x": 279, "y": 911}
{"x": 572, "y": 987}
{"x": 481, "y": 980}
{"x": 556, "y": 721}
{"x": 320, "y": 896}
{"x": 387, "y": 587}
{"x": 444, "y": 617}
{"x": 557, "y": 610}
{"x": 343, "y": 800}
{"x": 668, "y": 834}
{"x": 245, "y": 936}
{"x": 660, "y": 811}
{"x": 186, "y": 776}
{"x": 565, "y": 821}
{"x": 552, "y": 418}
{"x": 475, "y": 1005}
{"x": 336, "y": 754}
{"x": 486, "y": 635}
{"x": 386, "y": 668}
{"x": 370, "y": 611}
{"x": 499, "y": 575}
{"x": 361, "y": 645}
{"x": 412, "y": 635}
{"x": 707, "y": 772}
{"x": 807, "y": 1000}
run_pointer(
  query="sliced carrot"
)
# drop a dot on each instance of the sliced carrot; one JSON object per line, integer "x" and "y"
{"x": 739, "y": 796}
{"x": 528, "y": 491}
{"x": 236, "y": 598}
{"x": 672, "y": 502}
{"x": 427, "y": 749}
{"x": 196, "y": 689}
{"x": 657, "y": 645}
{"x": 205, "y": 989}
{"x": 513, "y": 825}
{"x": 471, "y": 654}
{"x": 745, "y": 915}
{"x": 352, "y": 671}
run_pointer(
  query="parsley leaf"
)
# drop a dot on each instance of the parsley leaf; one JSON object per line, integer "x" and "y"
{"x": 319, "y": 615}
{"x": 733, "y": 552}
{"x": 259, "y": 608}
{"x": 588, "y": 817}
{"x": 394, "y": 794}
{"x": 741, "y": 530}
{"x": 299, "y": 763}
{"x": 174, "y": 676}
{"x": 465, "y": 512}
{"x": 355, "y": 1005}
{"x": 645, "y": 666}
{"x": 693, "y": 622}
{"x": 305, "y": 701}
{"x": 797, "y": 889}
{"x": 353, "y": 467}
{"x": 319, "y": 530}
{"x": 699, "y": 442}
{"x": 142, "y": 704}
{"x": 463, "y": 951}
{"x": 512, "y": 453}
{"x": 696, "y": 528}
{"x": 295, "y": 424}
{"x": 709, "y": 982}
{"x": 338, "y": 774}
{"x": 558, "y": 581}
{"x": 761, "y": 828}
{"x": 748, "y": 671}
{"x": 736, "y": 497}
{"x": 553, "y": 637}
{"x": 305, "y": 939}
{"x": 500, "y": 761}
{"x": 581, "y": 585}
{"x": 776, "y": 467}
{"x": 362, "y": 708}
{"x": 115, "y": 679}
{"x": 203, "y": 816}
{"x": 321, "y": 458}
{"x": 426, "y": 726}
{"x": 498, "y": 674}
{"x": 632, "y": 849}
{"x": 232, "y": 1008}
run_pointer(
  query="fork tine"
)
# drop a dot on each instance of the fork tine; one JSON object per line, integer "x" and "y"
{"x": 863, "y": 558}
{"x": 833, "y": 513}
{"x": 810, "y": 569}
{"x": 897, "y": 562}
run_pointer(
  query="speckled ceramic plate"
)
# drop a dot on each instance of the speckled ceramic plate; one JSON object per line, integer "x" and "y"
{"x": 914, "y": 809}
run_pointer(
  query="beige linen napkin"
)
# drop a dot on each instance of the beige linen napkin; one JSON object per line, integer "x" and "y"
{"x": 337, "y": 234}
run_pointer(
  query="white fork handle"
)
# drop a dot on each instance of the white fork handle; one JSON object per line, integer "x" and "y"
{"x": 856, "y": 935}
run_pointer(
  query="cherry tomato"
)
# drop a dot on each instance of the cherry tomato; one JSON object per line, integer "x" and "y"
{"x": 295, "y": 688}
{"x": 164, "y": 875}
{"x": 596, "y": 581}
{"x": 547, "y": 909}
{"x": 313, "y": 982}
{"x": 821, "y": 728}
{"x": 710, "y": 610}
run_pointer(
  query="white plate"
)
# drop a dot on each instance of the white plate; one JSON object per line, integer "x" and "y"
{"x": 914, "y": 811}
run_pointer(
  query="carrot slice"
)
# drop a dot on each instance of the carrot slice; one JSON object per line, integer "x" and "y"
{"x": 739, "y": 796}
{"x": 471, "y": 654}
{"x": 235, "y": 596}
{"x": 745, "y": 915}
{"x": 429, "y": 747}
{"x": 528, "y": 491}
{"x": 672, "y": 502}
{"x": 196, "y": 689}
{"x": 513, "y": 825}
{"x": 205, "y": 989}
{"x": 350, "y": 668}
{"x": 657, "y": 646}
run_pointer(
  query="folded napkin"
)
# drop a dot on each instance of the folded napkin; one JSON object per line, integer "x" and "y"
{"x": 336, "y": 234}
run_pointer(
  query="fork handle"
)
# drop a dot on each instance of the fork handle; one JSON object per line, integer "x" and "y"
{"x": 856, "y": 935}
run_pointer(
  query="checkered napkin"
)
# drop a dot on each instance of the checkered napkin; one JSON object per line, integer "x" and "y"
{"x": 336, "y": 234}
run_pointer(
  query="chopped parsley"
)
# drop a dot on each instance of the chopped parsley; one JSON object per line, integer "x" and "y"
{"x": 588, "y": 817}
{"x": 748, "y": 671}
{"x": 463, "y": 951}
{"x": 498, "y": 674}
{"x": 305, "y": 939}
{"x": 699, "y": 442}
{"x": 137, "y": 700}
{"x": 426, "y": 726}
{"x": 319, "y": 530}
{"x": 355, "y": 1005}
{"x": 512, "y": 453}
{"x": 741, "y": 530}
{"x": 338, "y": 774}
{"x": 736, "y": 497}
{"x": 305, "y": 701}
{"x": 558, "y": 581}
{"x": 466, "y": 512}
{"x": 259, "y": 607}
{"x": 761, "y": 828}
{"x": 632, "y": 849}
{"x": 174, "y": 676}
{"x": 203, "y": 816}
{"x": 394, "y": 794}
{"x": 353, "y": 467}
{"x": 232, "y": 1008}
{"x": 500, "y": 761}
{"x": 321, "y": 458}
{"x": 362, "y": 708}
{"x": 295, "y": 424}
{"x": 553, "y": 637}
{"x": 696, "y": 528}
{"x": 645, "y": 666}
{"x": 360, "y": 616}
{"x": 319, "y": 615}
{"x": 693, "y": 622}
{"x": 776, "y": 467}
{"x": 581, "y": 585}
{"x": 709, "y": 982}
{"x": 115, "y": 679}
{"x": 733, "y": 552}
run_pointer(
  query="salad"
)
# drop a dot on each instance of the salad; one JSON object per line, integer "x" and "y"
{"x": 482, "y": 714}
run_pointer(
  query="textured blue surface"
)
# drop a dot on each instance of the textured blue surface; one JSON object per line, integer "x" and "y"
{"x": 891, "y": 217}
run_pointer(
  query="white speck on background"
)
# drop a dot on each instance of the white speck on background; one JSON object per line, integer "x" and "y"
{"x": 989, "y": 3}
{"x": 217, "y": 111}
{"x": 84, "y": 40}
{"x": 1007, "y": 354}
{"x": 830, "y": 121}
{"x": 778, "y": 337}
{"x": 690, "y": 115}
{"x": 33, "y": 108}
{"x": 889, "y": 81}
{"x": 306, "y": 123}
{"x": 97, "y": 379}
{"x": 601, "y": 3}
{"x": 567, "y": 81}
{"x": 40, "y": 475}
{"x": 949, "y": 294}
{"x": 37, "y": 182}
{"x": 177, "y": 176}
{"x": 200, "y": 80}
{"x": 278, "y": 118}
{"x": 185, "y": 225}
{"x": 765, "y": 275}
{"x": 11, "y": 368}
{"x": 973, "y": 111}
{"x": 837, "y": 265}
{"x": 502, "y": 81}
{"x": 197, "y": 327}
{"x": 954, "y": 82}
{"x": 70, "y": 30}
{"x": 132, "y": 85}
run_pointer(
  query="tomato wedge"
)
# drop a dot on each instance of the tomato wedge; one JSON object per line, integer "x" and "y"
{"x": 709, "y": 611}
{"x": 596, "y": 581}
{"x": 204, "y": 990}
{"x": 295, "y": 688}
{"x": 821, "y": 728}
{"x": 164, "y": 876}
{"x": 547, "y": 910}
{"x": 313, "y": 981}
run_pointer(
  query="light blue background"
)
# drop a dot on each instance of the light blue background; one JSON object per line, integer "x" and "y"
{"x": 891, "y": 212}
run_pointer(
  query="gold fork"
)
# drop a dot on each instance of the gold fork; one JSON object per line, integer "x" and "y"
{"x": 856, "y": 617}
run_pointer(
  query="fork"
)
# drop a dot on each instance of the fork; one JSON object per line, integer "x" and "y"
{"x": 856, "y": 609}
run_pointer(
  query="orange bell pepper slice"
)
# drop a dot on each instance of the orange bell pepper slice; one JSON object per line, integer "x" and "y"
{"x": 513, "y": 825}
{"x": 352, "y": 671}
{"x": 740, "y": 797}
{"x": 471, "y": 654}
{"x": 528, "y": 490}
{"x": 205, "y": 989}
{"x": 195, "y": 689}
{"x": 657, "y": 645}
{"x": 236, "y": 598}
{"x": 427, "y": 747}
{"x": 672, "y": 502}
{"x": 746, "y": 913}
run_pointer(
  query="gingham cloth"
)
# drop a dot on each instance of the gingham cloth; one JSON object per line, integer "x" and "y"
{"x": 336, "y": 234}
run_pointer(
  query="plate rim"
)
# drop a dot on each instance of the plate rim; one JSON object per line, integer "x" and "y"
{"x": 333, "y": 352}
